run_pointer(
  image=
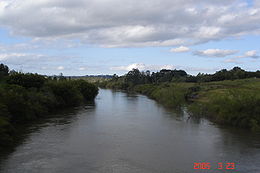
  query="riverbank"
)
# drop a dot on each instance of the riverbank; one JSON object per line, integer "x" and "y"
{"x": 27, "y": 97}
{"x": 127, "y": 132}
{"x": 230, "y": 102}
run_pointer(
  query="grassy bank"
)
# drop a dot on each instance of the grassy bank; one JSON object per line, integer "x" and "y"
{"x": 26, "y": 97}
{"x": 231, "y": 102}
{"x": 235, "y": 103}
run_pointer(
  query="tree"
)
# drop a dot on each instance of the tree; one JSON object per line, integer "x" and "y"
{"x": 134, "y": 77}
{"x": 27, "y": 80}
{"x": 114, "y": 77}
{"x": 4, "y": 70}
{"x": 61, "y": 77}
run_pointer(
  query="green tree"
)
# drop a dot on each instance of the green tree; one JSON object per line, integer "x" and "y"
{"x": 4, "y": 70}
{"x": 28, "y": 80}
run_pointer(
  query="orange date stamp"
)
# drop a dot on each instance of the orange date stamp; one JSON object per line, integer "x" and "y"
{"x": 220, "y": 165}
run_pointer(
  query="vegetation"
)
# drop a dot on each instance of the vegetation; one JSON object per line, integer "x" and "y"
{"x": 92, "y": 78}
{"x": 236, "y": 103}
{"x": 25, "y": 97}
{"x": 169, "y": 94}
{"x": 226, "y": 97}
{"x": 135, "y": 77}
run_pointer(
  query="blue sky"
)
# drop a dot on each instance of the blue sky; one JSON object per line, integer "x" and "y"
{"x": 113, "y": 36}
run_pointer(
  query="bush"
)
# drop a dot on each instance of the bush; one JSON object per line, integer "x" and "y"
{"x": 238, "y": 107}
{"x": 4, "y": 109}
{"x": 19, "y": 105}
{"x": 89, "y": 91}
{"x": 66, "y": 93}
{"x": 172, "y": 95}
{"x": 6, "y": 132}
{"x": 26, "y": 80}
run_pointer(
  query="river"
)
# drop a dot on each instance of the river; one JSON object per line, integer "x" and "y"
{"x": 130, "y": 133}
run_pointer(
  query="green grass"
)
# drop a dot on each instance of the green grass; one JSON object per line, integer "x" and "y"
{"x": 235, "y": 103}
{"x": 169, "y": 94}
{"x": 230, "y": 102}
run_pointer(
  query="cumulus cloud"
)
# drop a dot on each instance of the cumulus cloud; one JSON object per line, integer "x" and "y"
{"x": 132, "y": 23}
{"x": 142, "y": 66}
{"x": 180, "y": 49}
{"x": 215, "y": 52}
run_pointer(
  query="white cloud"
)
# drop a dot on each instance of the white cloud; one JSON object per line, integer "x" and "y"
{"x": 60, "y": 68}
{"x": 192, "y": 11}
{"x": 142, "y": 66}
{"x": 226, "y": 18}
{"x": 49, "y": 64}
{"x": 180, "y": 49}
{"x": 82, "y": 68}
{"x": 174, "y": 42}
{"x": 215, "y": 52}
{"x": 249, "y": 54}
{"x": 20, "y": 61}
{"x": 132, "y": 23}
{"x": 7, "y": 56}
{"x": 252, "y": 54}
{"x": 208, "y": 32}
{"x": 232, "y": 60}
{"x": 44, "y": 68}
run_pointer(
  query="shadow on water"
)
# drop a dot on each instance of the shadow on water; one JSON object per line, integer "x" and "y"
{"x": 56, "y": 118}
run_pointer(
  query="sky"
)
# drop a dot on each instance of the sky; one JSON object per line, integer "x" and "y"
{"x": 86, "y": 37}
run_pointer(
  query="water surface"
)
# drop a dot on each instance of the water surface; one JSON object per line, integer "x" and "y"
{"x": 123, "y": 133}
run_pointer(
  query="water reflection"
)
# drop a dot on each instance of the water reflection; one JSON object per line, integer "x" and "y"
{"x": 57, "y": 119}
{"x": 127, "y": 132}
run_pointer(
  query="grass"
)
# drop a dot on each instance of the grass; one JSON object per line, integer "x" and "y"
{"x": 235, "y": 103}
{"x": 230, "y": 102}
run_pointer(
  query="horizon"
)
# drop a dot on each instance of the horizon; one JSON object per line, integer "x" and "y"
{"x": 97, "y": 75}
{"x": 93, "y": 38}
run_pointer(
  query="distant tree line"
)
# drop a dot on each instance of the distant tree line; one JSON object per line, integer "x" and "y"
{"x": 136, "y": 77}
{"x": 235, "y": 73}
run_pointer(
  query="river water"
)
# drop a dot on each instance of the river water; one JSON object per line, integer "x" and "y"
{"x": 129, "y": 133}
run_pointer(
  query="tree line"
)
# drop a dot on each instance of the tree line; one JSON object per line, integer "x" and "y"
{"x": 26, "y": 96}
{"x": 137, "y": 77}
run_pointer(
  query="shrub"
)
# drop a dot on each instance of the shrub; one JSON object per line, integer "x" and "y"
{"x": 16, "y": 99}
{"x": 6, "y": 132}
{"x": 26, "y": 80}
{"x": 89, "y": 91}
{"x": 66, "y": 93}
{"x": 239, "y": 107}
